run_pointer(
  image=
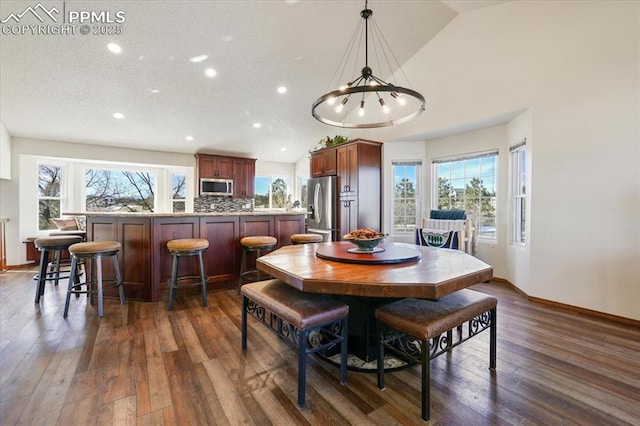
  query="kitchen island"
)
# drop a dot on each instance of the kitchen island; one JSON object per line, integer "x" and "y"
{"x": 146, "y": 263}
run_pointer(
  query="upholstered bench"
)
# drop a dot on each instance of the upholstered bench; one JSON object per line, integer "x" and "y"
{"x": 432, "y": 324}
{"x": 312, "y": 322}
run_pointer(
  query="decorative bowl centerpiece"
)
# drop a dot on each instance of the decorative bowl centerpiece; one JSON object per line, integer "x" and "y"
{"x": 365, "y": 239}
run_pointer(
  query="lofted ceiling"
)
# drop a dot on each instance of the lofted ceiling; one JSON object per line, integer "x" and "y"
{"x": 67, "y": 87}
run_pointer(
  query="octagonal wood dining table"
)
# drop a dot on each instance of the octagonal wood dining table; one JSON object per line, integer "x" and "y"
{"x": 367, "y": 280}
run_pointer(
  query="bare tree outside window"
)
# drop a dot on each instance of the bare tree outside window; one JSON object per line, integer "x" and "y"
{"x": 178, "y": 192}
{"x": 119, "y": 190}
{"x": 49, "y": 195}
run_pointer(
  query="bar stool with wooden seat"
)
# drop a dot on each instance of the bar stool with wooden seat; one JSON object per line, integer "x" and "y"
{"x": 187, "y": 247}
{"x": 255, "y": 244}
{"x": 306, "y": 238}
{"x": 55, "y": 245}
{"x": 94, "y": 251}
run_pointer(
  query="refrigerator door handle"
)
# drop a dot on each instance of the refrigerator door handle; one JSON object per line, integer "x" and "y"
{"x": 317, "y": 199}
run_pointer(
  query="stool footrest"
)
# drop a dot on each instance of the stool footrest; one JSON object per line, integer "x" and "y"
{"x": 185, "y": 282}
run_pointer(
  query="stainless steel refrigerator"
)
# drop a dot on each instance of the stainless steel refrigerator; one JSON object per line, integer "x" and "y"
{"x": 322, "y": 217}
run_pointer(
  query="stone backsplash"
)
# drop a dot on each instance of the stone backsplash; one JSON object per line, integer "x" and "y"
{"x": 211, "y": 204}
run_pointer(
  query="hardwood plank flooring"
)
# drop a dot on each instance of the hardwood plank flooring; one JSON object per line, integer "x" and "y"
{"x": 141, "y": 364}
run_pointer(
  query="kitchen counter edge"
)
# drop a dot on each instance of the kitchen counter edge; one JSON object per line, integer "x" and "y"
{"x": 195, "y": 214}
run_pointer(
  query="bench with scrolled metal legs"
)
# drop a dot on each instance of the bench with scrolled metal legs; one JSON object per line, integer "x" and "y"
{"x": 312, "y": 322}
{"x": 420, "y": 330}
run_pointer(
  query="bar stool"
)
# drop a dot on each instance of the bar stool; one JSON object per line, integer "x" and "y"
{"x": 94, "y": 251}
{"x": 187, "y": 247}
{"x": 256, "y": 244}
{"x": 306, "y": 238}
{"x": 55, "y": 245}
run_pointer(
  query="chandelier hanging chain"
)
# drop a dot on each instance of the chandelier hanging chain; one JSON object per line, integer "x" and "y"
{"x": 342, "y": 65}
{"x": 334, "y": 108}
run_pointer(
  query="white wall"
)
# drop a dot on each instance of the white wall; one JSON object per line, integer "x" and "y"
{"x": 5, "y": 153}
{"x": 576, "y": 65}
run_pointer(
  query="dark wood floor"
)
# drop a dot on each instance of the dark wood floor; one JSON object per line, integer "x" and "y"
{"x": 143, "y": 365}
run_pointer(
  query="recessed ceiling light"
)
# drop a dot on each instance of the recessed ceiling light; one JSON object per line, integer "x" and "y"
{"x": 118, "y": 115}
{"x": 114, "y": 48}
{"x": 199, "y": 58}
{"x": 283, "y": 149}
{"x": 188, "y": 138}
{"x": 282, "y": 89}
{"x": 257, "y": 125}
{"x": 210, "y": 72}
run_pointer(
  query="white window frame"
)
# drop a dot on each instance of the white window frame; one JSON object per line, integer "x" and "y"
{"x": 483, "y": 238}
{"x": 62, "y": 198}
{"x": 119, "y": 167}
{"x": 518, "y": 166}
{"x": 272, "y": 178}
{"x": 172, "y": 172}
{"x": 418, "y": 196}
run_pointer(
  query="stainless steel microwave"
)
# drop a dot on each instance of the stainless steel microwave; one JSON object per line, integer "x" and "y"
{"x": 218, "y": 187}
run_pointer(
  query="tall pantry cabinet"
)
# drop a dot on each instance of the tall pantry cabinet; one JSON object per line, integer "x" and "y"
{"x": 359, "y": 171}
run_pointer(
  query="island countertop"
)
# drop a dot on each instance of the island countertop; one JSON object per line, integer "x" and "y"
{"x": 145, "y": 262}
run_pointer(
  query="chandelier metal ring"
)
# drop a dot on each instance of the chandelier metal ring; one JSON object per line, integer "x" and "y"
{"x": 365, "y": 89}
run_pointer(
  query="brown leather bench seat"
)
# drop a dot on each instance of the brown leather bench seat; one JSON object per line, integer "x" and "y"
{"x": 292, "y": 315}
{"x": 432, "y": 322}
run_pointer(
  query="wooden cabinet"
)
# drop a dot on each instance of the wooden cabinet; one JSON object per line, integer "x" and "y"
{"x": 323, "y": 163}
{"x": 166, "y": 229}
{"x": 214, "y": 166}
{"x": 287, "y": 225}
{"x": 359, "y": 171}
{"x": 221, "y": 258}
{"x": 244, "y": 175}
{"x": 241, "y": 170}
{"x": 145, "y": 261}
{"x": 347, "y": 170}
{"x": 134, "y": 256}
{"x": 348, "y": 215}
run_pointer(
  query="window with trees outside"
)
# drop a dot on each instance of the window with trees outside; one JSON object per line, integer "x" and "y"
{"x": 518, "y": 162}
{"x": 270, "y": 192}
{"x": 178, "y": 191}
{"x": 112, "y": 190}
{"x": 406, "y": 205}
{"x": 469, "y": 183}
{"x": 50, "y": 201}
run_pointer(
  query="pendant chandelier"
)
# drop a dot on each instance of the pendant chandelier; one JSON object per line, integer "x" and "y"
{"x": 367, "y": 101}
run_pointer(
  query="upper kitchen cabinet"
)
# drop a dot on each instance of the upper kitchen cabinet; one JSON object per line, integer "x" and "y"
{"x": 214, "y": 166}
{"x": 244, "y": 174}
{"x": 359, "y": 165}
{"x": 323, "y": 163}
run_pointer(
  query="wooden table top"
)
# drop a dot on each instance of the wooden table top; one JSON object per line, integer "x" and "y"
{"x": 437, "y": 273}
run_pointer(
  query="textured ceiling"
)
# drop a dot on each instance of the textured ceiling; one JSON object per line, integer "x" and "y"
{"x": 66, "y": 87}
